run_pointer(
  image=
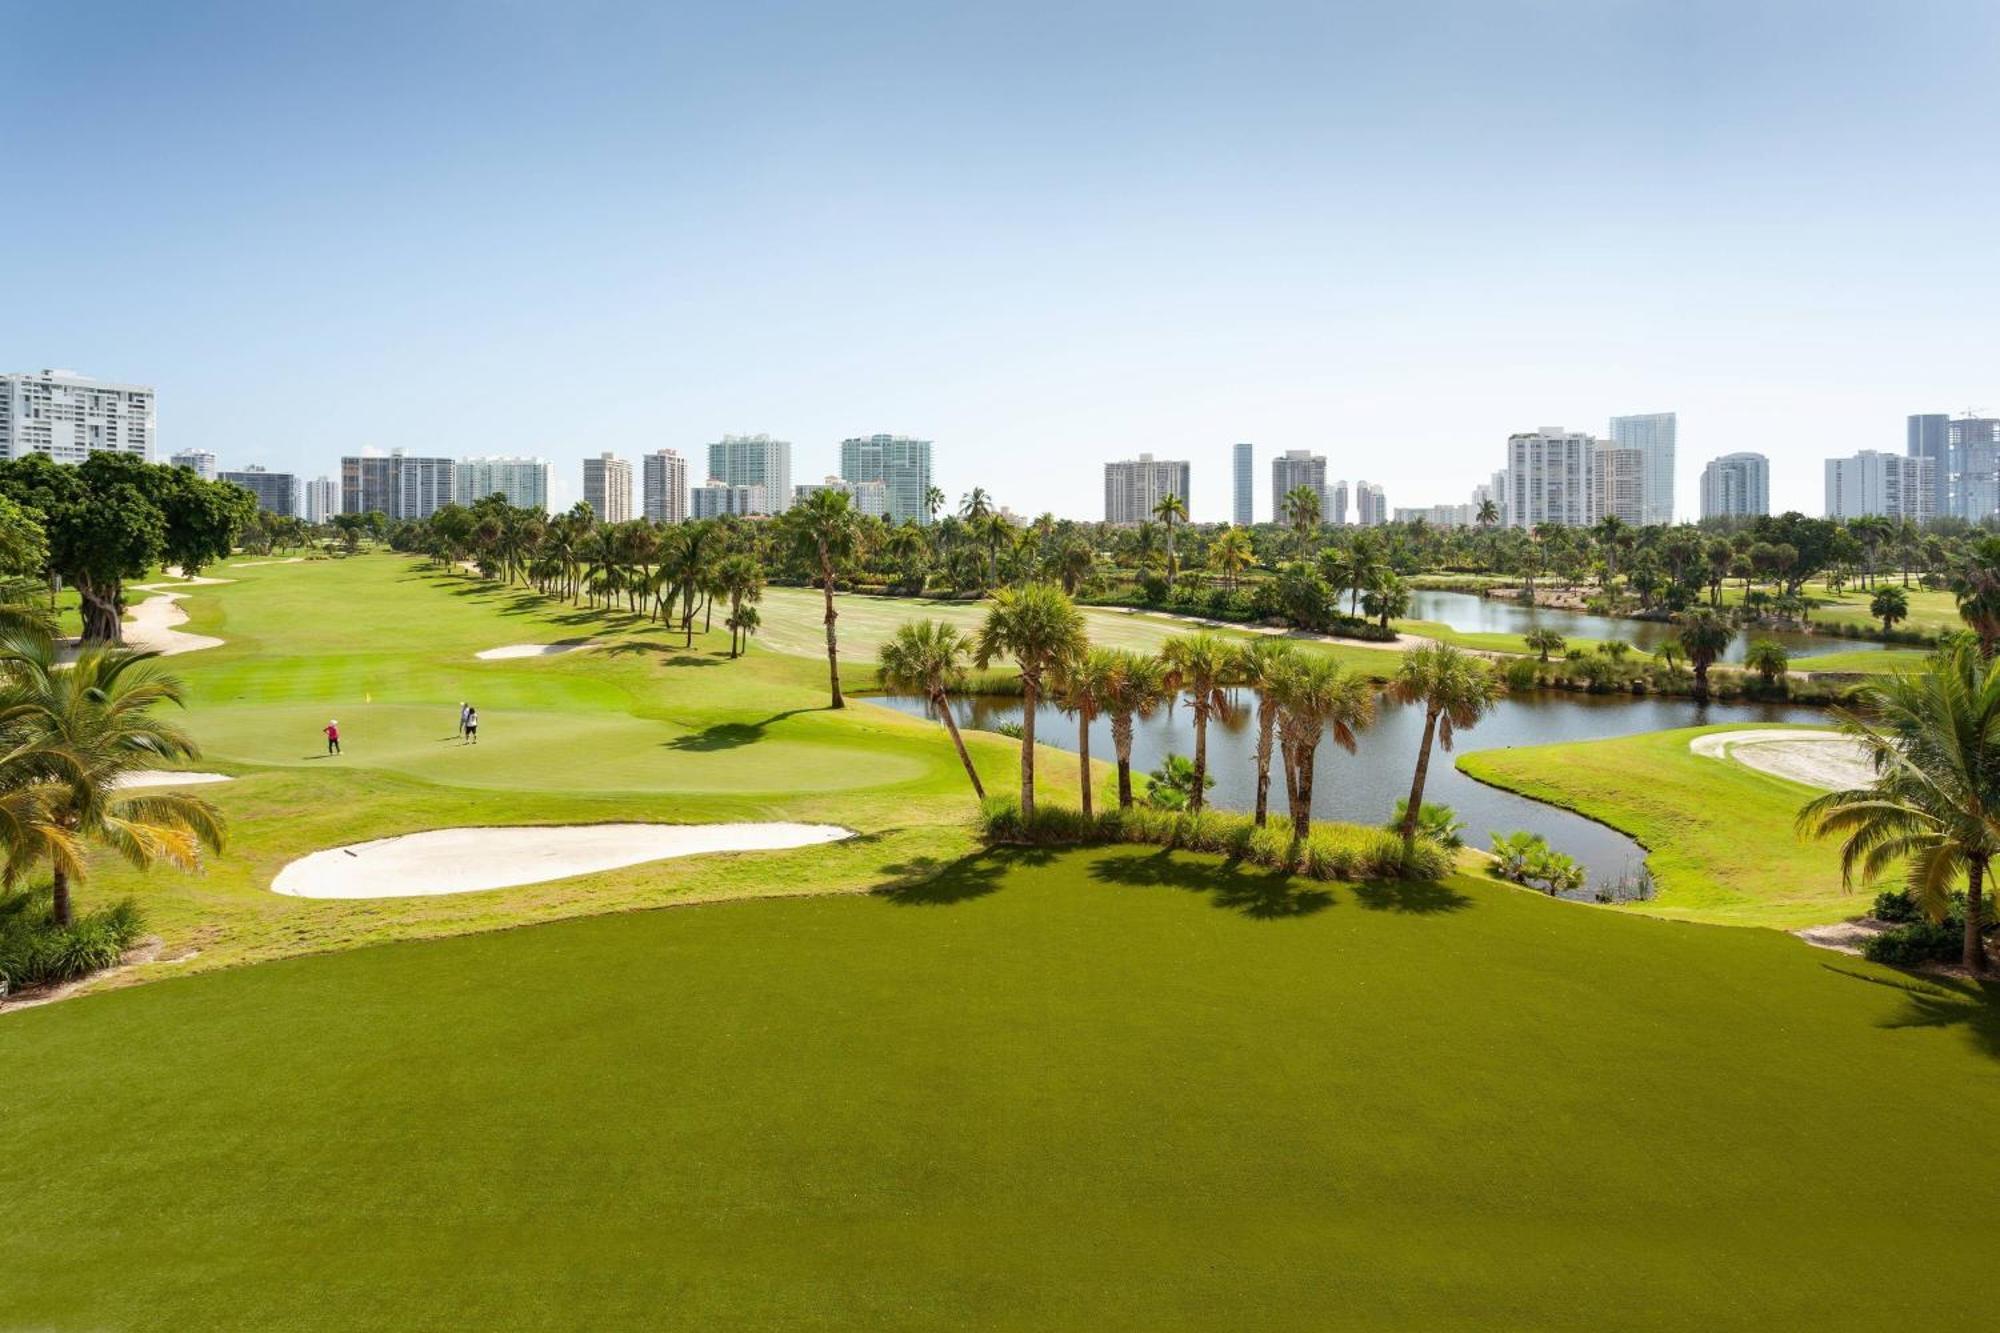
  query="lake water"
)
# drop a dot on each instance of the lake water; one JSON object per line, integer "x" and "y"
{"x": 1470, "y": 613}
{"x": 1362, "y": 788}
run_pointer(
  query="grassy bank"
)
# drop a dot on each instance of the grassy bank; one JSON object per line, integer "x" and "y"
{"x": 1118, "y": 1088}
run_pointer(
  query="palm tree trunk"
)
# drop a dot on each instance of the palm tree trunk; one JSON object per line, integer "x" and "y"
{"x": 1416, "y": 802}
{"x": 832, "y": 645}
{"x": 943, "y": 705}
{"x": 1031, "y": 695}
{"x": 59, "y": 909}
{"x": 1083, "y": 755}
{"x": 1975, "y": 942}
{"x": 1121, "y": 741}
{"x": 1700, "y": 681}
{"x": 1200, "y": 754}
{"x": 1267, "y": 718}
{"x": 1302, "y": 822}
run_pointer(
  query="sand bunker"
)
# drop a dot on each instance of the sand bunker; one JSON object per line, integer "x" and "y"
{"x": 152, "y": 626}
{"x": 529, "y": 650}
{"x": 160, "y": 777}
{"x": 467, "y": 860}
{"x": 1824, "y": 759}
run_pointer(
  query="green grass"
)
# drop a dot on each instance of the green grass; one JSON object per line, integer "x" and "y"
{"x": 1718, "y": 835}
{"x": 1115, "y": 1089}
{"x": 1930, "y": 611}
{"x": 643, "y": 727}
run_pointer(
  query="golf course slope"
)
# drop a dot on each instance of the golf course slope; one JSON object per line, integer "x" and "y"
{"x": 1113, "y": 1089}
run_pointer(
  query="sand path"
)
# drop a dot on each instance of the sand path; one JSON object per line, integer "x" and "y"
{"x": 151, "y": 625}
{"x": 468, "y": 860}
{"x": 160, "y": 777}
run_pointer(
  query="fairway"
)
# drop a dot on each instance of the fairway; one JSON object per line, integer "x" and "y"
{"x": 1117, "y": 1089}
{"x": 1719, "y": 835}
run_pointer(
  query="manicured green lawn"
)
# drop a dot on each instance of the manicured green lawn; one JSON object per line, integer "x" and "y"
{"x": 1119, "y": 1089}
{"x": 642, "y": 727}
{"x": 1719, "y": 836}
{"x": 1930, "y": 611}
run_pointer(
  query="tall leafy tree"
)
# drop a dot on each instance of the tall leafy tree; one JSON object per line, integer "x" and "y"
{"x": 1040, "y": 628}
{"x": 1203, "y": 666}
{"x": 1976, "y": 587}
{"x": 1261, "y": 668}
{"x": 742, "y": 582}
{"x": 1703, "y": 636}
{"x": 1171, "y": 509}
{"x": 927, "y": 657}
{"x": 823, "y": 530}
{"x": 1302, "y": 512}
{"x": 1316, "y": 699}
{"x": 1934, "y": 739}
{"x": 1454, "y": 689}
{"x": 1084, "y": 687}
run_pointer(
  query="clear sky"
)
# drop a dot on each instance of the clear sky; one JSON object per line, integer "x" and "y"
{"x": 1042, "y": 235}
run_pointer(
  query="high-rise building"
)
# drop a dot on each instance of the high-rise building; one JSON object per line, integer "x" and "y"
{"x": 1549, "y": 477}
{"x": 900, "y": 464}
{"x": 1618, "y": 476}
{"x": 754, "y": 460}
{"x": 1653, "y": 435}
{"x": 718, "y": 497}
{"x": 1371, "y": 507}
{"x": 523, "y": 481}
{"x": 1241, "y": 512}
{"x": 399, "y": 485}
{"x": 322, "y": 500}
{"x": 67, "y": 417}
{"x": 870, "y": 499}
{"x": 607, "y": 488}
{"x": 1499, "y": 491}
{"x": 1973, "y": 444}
{"x": 276, "y": 492}
{"x": 1929, "y": 436}
{"x": 1736, "y": 486}
{"x": 1878, "y": 484}
{"x": 198, "y": 461}
{"x": 1132, "y": 488}
{"x": 1302, "y": 467}
{"x": 1333, "y": 503}
{"x": 664, "y": 485}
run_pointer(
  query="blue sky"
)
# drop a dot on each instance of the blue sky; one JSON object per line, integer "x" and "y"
{"x": 1042, "y": 235}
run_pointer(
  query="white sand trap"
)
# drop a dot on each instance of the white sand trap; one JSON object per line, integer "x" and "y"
{"x": 1824, "y": 759}
{"x": 530, "y": 650}
{"x": 152, "y": 626}
{"x": 160, "y": 777}
{"x": 254, "y": 564}
{"x": 467, "y": 860}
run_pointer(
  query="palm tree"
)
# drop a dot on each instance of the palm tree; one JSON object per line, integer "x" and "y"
{"x": 1976, "y": 586}
{"x": 1455, "y": 689}
{"x": 1083, "y": 687}
{"x": 1135, "y": 689}
{"x": 75, "y": 731}
{"x": 1230, "y": 554}
{"x": 1316, "y": 698}
{"x": 1489, "y": 513}
{"x": 1934, "y": 739}
{"x": 1543, "y": 642}
{"x": 1261, "y": 667}
{"x": 1168, "y": 509}
{"x": 1040, "y": 628}
{"x": 933, "y": 501}
{"x": 1204, "y": 666}
{"x": 1302, "y": 513}
{"x": 1703, "y": 636}
{"x": 1389, "y": 597}
{"x": 742, "y": 582}
{"x": 1768, "y": 658}
{"x": 824, "y": 531}
{"x": 927, "y": 657}
{"x": 1073, "y": 564}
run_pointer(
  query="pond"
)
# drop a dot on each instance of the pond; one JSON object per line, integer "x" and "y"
{"x": 1470, "y": 613}
{"x": 1362, "y": 788}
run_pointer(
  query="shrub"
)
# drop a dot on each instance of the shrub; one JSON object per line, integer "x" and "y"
{"x": 1915, "y": 944}
{"x": 1439, "y": 823}
{"x": 1526, "y": 858}
{"x": 1331, "y": 851}
{"x": 1893, "y": 905}
{"x": 1173, "y": 783}
{"x": 34, "y": 951}
{"x": 1522, "y": 673}
{"x": 1012, "y": 730}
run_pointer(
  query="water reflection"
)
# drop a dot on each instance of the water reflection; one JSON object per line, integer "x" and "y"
{"x": 1470, "y": 613}
{"x": 1362, "y": 788}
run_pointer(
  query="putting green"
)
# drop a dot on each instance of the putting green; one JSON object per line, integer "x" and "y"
{"x": 1118, "y": 1089}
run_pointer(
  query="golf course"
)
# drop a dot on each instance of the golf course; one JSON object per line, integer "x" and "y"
{"x": 870, "y": 1073}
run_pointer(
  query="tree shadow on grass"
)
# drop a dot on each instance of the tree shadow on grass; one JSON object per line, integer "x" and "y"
{"x": 683, "y": 656}
{"x": 730, "y": 735}
{"x": 1419, "y": 897}
{"x": 926, "y": 881}
{"x": 1942, "y": 1002}
{"x": 1255, "y": 891}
